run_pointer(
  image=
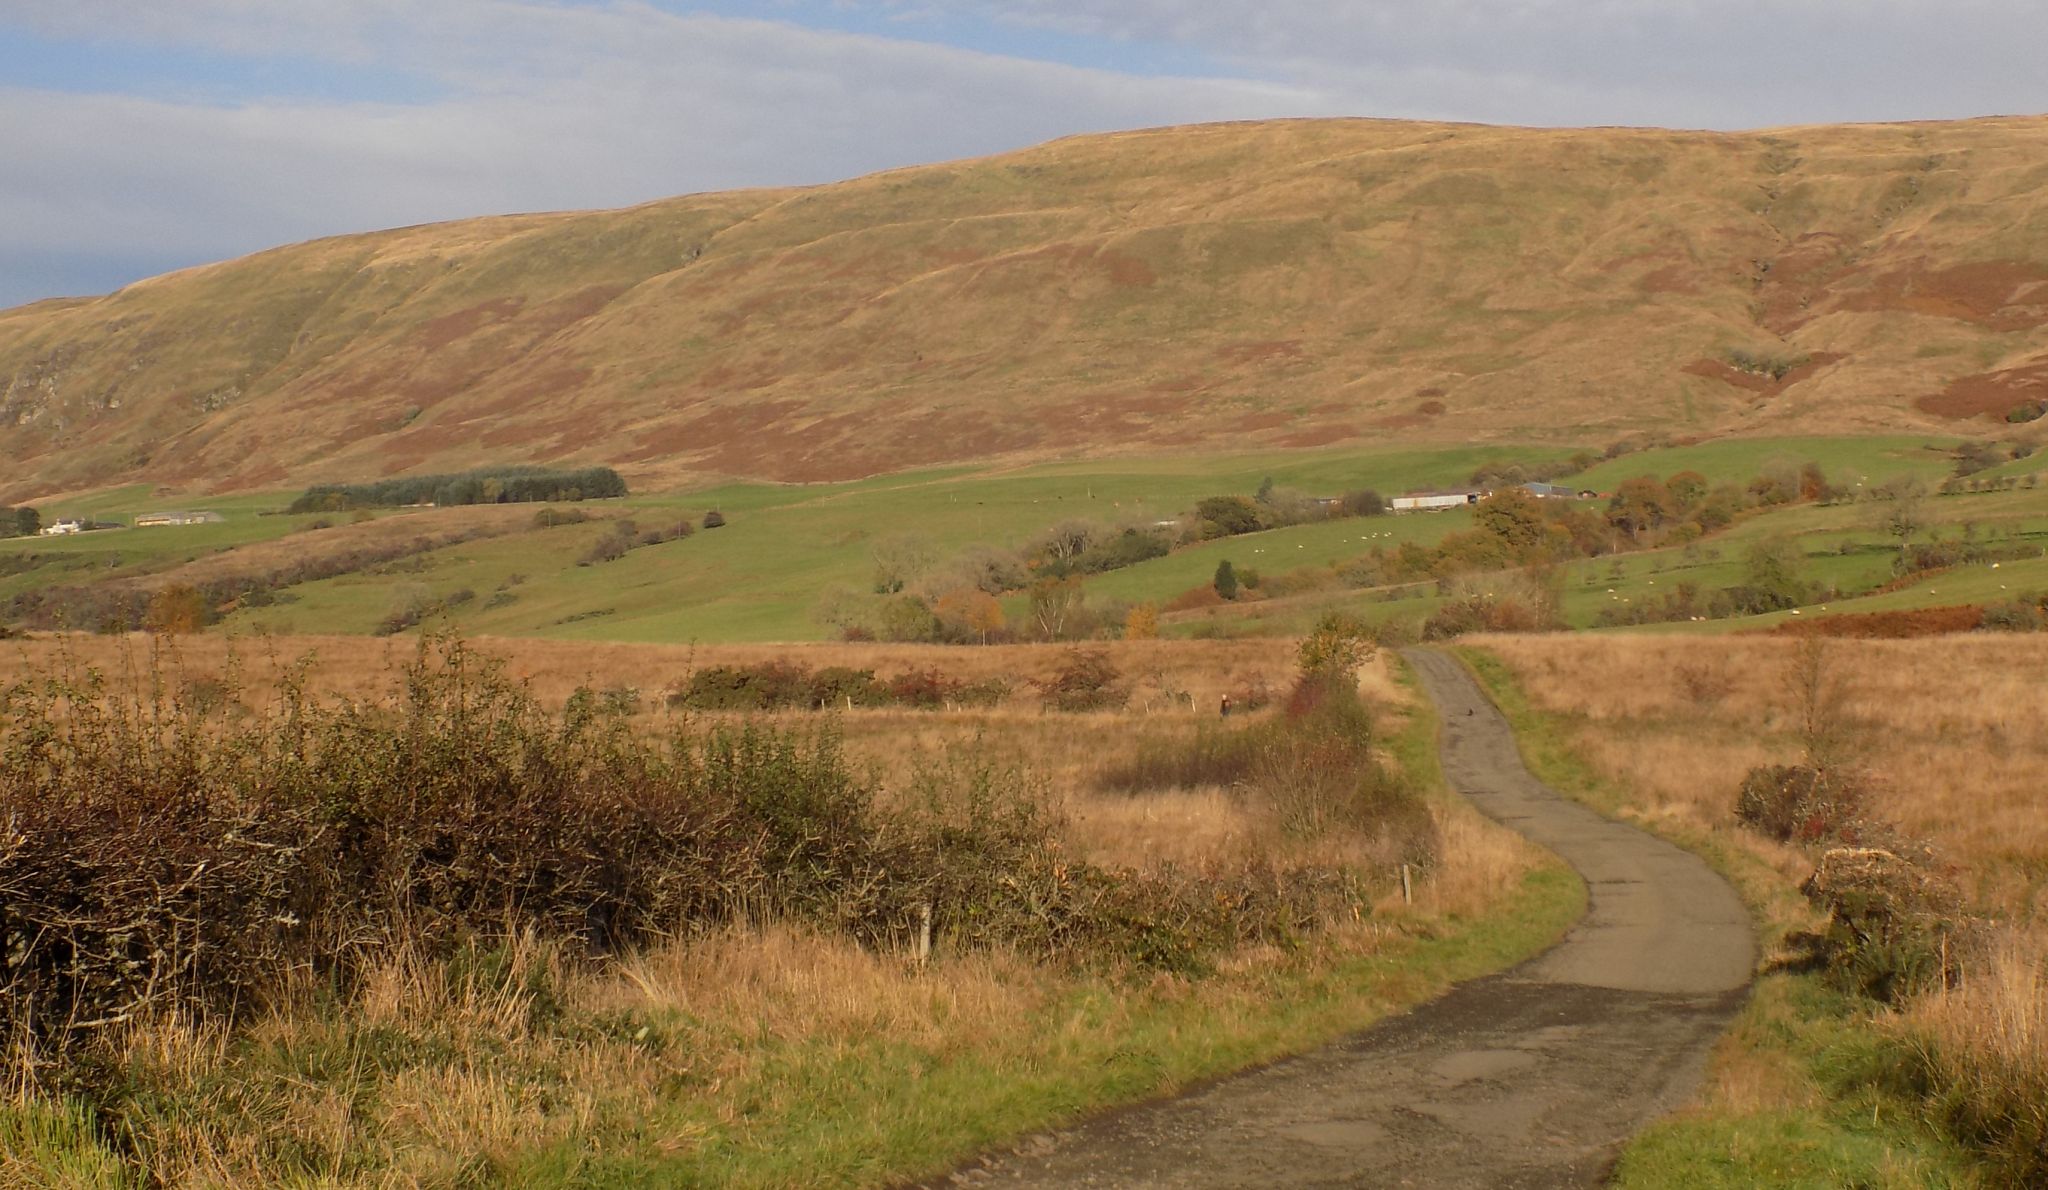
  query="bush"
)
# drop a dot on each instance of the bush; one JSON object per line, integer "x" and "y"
{"x": 924, "y": 688}
{"x": 1128, "y": 548}
{"x": 548, "y": 518}
{"x": 769, "y": 686}
{"x": 1086, "y": 681}
{"x": 840, "y": 685}
{"x": 1481, "y": 614}
{"x": 2018, "y": 615}
{"x": 1227, "y": 516}
{"x": 781, "y": 685}
{"x": 1313, "y": 769}
{"x": 986, "y": 693}
{"x": 1800, "y": 804}
{"x": 411, "y": 605}
{"x": 177, "y": 609}
{"x": 1895, "y": 922}
{"x": 1339, "y": 645}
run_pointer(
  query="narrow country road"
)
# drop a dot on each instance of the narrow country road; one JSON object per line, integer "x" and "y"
{"x": 1530, "y": 1078}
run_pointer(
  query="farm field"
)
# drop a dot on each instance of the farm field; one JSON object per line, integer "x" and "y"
{"x": 785, "y": 550}
{"x": 758, "y": 578}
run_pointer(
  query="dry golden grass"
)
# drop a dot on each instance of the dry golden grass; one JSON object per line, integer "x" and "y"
{"x": 789, "y": 985}
{"x": 1954, "y": 729}
{"x": 1481, "y": 857}
{"x": 357, "y": 667}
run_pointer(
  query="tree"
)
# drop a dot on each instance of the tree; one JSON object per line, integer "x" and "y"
{"x": 1901, "y": 511}
{"x": 907, "y": 618}
{"x": 1639, "y": 505}
{"x": 714, "y": 519}
{"x": 1514, "y": 517}
{"x": 1226, "y": 580}
{"x": 1340, "y": 644}
{"x": 1687, "y": 488}
{"x": 1813, "y": 482}
{"x": 1142, "y": 623}
{"x": 972, "y": 611}
{"x": 1775, "y": 568}
{"x": 1364, "y": 502}
{"x": 1055, "y": 601}
{"x": 1068, "y": 540}
{"x": 176, "y": 610}
{"x": 1227, "y": 516}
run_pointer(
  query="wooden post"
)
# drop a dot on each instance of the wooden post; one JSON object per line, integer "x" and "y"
{"x": 924, "y": 933}
{"x": 1407, "y": 887}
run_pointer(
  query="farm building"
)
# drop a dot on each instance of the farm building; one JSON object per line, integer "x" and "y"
{"x": 1555, "y": 491}
{"x": 64, "y": 527}
{"x": 149, "y": 519}
{"x": 1433, "y": 501}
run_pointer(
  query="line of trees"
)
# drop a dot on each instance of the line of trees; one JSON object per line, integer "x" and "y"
{"x": 489, "y": 485}
{"x": 20, "y": 522}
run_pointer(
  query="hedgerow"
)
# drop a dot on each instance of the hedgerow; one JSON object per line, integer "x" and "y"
{"x": 160, "y": 853}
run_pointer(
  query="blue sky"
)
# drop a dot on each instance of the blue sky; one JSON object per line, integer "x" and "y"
{"x": 138, "y": 136}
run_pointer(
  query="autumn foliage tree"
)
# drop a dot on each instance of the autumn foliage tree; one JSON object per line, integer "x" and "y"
{"x": 176, "y": 610}
{"x": 1640, "y": 506}
{"x": 970, "y": 612}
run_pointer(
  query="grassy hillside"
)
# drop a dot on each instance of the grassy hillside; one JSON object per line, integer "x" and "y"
{"x": 1245, "y": 286}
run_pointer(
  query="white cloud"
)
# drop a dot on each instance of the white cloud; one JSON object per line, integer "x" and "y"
{"x": 1721, "y": 64}
{"x": 540, "y": 107}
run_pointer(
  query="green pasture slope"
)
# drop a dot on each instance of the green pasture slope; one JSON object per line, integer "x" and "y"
{"x": 760, "y": 578}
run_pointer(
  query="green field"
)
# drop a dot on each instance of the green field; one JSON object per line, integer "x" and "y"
{"x": 762, "y": 576}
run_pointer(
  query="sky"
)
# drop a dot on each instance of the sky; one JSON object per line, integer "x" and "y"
{"x": 139, "y": 136}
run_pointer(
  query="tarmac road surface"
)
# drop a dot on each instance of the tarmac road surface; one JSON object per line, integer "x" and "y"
{"x": 1531, "y": 1078}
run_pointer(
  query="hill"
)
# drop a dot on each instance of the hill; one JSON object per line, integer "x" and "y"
{"x": 1286, "y": 284}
